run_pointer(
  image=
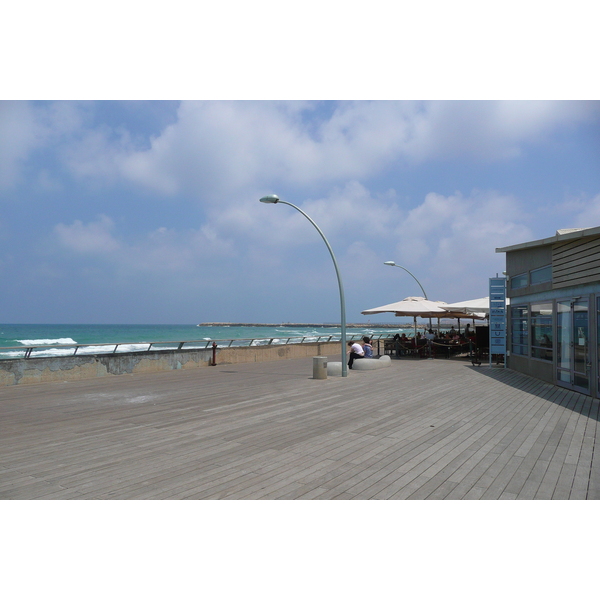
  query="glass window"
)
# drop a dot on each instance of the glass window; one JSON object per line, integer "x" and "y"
{"x": 518, "y": 281}
{"x": 541, "y": 331}
{"x": 598, "y": 336}
{"x": 541, "y": 275}
{"x": 518, "y": 329}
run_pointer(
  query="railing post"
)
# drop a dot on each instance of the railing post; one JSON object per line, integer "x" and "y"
{"x": 214, "y": 354}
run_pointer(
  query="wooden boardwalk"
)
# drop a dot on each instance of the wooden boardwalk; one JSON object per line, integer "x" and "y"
{"x": 421, "y": 429}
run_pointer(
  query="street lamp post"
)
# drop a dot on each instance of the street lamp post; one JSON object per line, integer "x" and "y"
{"x": 391, "y": 263}
{"x": 273, "y": 199}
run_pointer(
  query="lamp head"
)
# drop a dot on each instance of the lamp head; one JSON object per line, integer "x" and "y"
{"x": 270, "y": 199}
{"x": 390, "y": 263}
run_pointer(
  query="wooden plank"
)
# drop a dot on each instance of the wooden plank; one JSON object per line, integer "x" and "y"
{"x": 418, "y": 429}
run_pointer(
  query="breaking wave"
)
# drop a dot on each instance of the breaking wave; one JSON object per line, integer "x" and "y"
{"x": 47, "y": 342}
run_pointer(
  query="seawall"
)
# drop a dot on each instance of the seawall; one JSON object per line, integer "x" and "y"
{"x": 69, "y": 368}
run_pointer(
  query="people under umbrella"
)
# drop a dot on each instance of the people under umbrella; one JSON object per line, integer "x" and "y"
{"x": 433, "y": 342}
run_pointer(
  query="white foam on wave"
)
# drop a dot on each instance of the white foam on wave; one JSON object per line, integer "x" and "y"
{"x": 48, "y": 352}
{"x": 47, "y": 342}
{"x": 261, "y": 342}
{"x": 12, "y": 353}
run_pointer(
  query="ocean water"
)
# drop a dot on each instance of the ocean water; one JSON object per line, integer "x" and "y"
{"x": 136, "y": 337}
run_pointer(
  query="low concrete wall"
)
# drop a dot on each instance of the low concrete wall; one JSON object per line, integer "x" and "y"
{"x": 68, "y": 368}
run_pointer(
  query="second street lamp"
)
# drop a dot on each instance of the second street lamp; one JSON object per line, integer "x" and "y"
{"x": 391, "y": 263}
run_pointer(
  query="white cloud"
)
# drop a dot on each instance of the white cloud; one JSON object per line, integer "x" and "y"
{"x": 490, "y": 130}
{"x": 449, "y": 242}
{"x": 93, "y": 238}
{"x": 581, "y": 212}
{"x": 348, "y": 213}
{"x": 218, "y": 150}
{"x": 452, "y": 239}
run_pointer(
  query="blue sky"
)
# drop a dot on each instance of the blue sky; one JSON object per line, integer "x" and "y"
{"x": 116, "y": 207}
{"x": 148, "y": 212}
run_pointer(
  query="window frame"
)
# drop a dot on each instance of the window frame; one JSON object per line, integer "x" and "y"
{"x": 518, "y": 277}
{"x": 541, "y": 269}
{"x": 544, "y": 324}
{"x": 522, "y": 347}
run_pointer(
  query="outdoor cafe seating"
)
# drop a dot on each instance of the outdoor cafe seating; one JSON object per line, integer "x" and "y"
{"x": 438, "y": 348}
{"x": 441, "y": 346}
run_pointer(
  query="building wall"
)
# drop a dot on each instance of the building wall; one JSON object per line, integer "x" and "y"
{"x": 521, "y": 261}
{"x": 575, "y": 274}
{"x": 533, "y": 368}
{"x": 576, "y": 262}
{"x": 524, "y": 261}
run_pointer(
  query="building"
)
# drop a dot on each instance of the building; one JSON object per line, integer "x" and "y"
{"x": 553, "y": 324}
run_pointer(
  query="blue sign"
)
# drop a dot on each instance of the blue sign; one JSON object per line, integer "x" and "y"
{"x": 497, "y": 316}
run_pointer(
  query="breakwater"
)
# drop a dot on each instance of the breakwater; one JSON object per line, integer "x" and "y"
{"x": 302, "y": 325}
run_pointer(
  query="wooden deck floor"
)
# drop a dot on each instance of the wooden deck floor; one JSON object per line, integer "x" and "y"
{"x": 421, "y": 429}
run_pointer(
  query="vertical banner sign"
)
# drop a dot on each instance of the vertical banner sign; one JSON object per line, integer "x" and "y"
{"x": 497, "y": 316}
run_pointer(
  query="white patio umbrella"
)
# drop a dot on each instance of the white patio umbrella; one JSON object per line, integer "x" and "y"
{"x": 477, "y": 306}
{"x": 413, "y": 306}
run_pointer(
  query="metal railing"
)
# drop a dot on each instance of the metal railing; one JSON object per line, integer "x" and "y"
{"x": 50, "y": 350}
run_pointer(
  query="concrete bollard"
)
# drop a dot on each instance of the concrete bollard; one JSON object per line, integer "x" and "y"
{"x": 319, "y": 367}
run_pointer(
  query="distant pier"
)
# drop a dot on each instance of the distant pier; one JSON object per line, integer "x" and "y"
{"x": 359, "y": 325}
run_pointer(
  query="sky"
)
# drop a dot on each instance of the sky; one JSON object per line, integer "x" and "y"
{"x": 148, "y": 211}
{"x": 125, "y": 206}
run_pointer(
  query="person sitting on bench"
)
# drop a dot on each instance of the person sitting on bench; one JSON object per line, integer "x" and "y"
{"x": 356, "y": 351}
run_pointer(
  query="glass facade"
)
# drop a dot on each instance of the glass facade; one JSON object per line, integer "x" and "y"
{"x": 518, "y": 329}
{"x": 563, "y": 333}
{"x": 598, "y": 342}
{"x": 541, "y": 331}
{"x": 572, "y": 348}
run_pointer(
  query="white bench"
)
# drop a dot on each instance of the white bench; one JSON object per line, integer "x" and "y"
{"x": 360, "y": 364}
{"x": 368, "y": 364}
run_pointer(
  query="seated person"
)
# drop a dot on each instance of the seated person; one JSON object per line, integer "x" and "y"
{"x": 356, "y": 351}
{"x": 367, "y": 347}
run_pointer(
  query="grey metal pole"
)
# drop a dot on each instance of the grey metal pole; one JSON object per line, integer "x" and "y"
{"x": 273, "y": 199}
{"x": 391, "y": 263}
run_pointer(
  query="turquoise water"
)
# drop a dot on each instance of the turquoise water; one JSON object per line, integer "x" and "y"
{"x": 132, "y": 335}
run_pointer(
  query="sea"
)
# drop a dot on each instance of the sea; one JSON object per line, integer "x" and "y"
{"x": 137, "y": 337}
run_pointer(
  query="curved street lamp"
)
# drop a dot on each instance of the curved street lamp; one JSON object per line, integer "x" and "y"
{"x": 273, "y": 199}
{"x": 391, "y": 263}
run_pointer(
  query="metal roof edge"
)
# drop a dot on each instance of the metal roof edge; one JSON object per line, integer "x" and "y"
{"x": 562, "y": 235}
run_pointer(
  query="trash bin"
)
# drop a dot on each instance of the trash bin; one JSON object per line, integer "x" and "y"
{"x": 319, "y": 367}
